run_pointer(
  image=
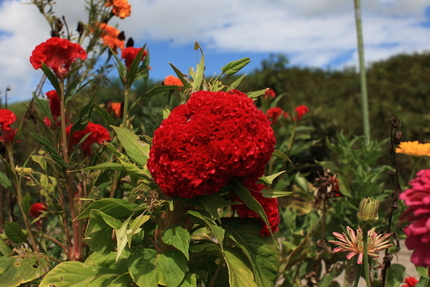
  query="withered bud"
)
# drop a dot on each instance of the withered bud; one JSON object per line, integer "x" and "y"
{"x": 130, "y": 43}
{"x": 398, "y": 137}
{"x": 121, "y": 36}
{"x": 80, "y": 28}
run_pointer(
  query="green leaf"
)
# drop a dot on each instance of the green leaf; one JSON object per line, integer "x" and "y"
{"x": 132, "y": 70}
{"x": 98, "y": 235}
{"x": 255, "y": 94}
{"x": 78, "y": 274}
{"x": 240, "y": 275}
{"x": 250, "y": 201}
{"x": 154, "y": 91}
{"x": 44, "y": 107}
{"x": 142, "y": 266}
{"x": 236, "y": 83}
{"x": 235, "y": 66}
{"x": 422, "y": 271}
{"x": 298, "y": 254}
{"x": 177, "y": 237}
{"x": 166, "y": 113}
{"x": 13, "y": 232}
{"x": 115, "y": 207}
{"x": 281, "y": 155}
{"x": 395, "y": 275}
{"x": 52, "y": 78}
{"x": 424, "y": 282}
{"x": 25, "y": 203}
{"x": 135, "y": 148}
{"x": 217, "y": 231}
{"x": 4, "y": 248}
{"x": 4, "y": 180}
{"x": 261, "y": 251}
{"x": 83, "y": 119}
{"x": 103, "y": 113}
{"x": 181, "y": 77}
{"x": 334, "y": 272}
{"x": 270, "y": 178}
{"x": 122, "y": 280}
{"x": 190, "y": 280}
{"x": 106, "y": 166}
{"x": 200, "y": 70}
{"x": 172, "y": 265}
{"x": 271, "y": 193}
{"x": 25, "y": 267}
{"x": 51, "y": 150}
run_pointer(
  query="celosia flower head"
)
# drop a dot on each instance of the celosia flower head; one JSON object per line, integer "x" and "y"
{"x": 300, "y": 111}
{"x": 204, "y": 143}
{"x": 129, "y": 54}
{"x": 54, "y": 103}
{"x": 7, "y": 118}
{"x": 269, "y": 94}
{"x": 417, "y": 200}
{"x": 273, "y": 114}
{"x": 58, "y": 54}
{"x": 37, "y": 208}
{"x": 110, "y": 36}
{"x": 172, "y": 81}
{"x": 354, "y": 243}
{"x": 414, "y": 148}
{"x": 120, "y": 8}
{"x": 98, "y": 134}
{"x": 410, "y": 282}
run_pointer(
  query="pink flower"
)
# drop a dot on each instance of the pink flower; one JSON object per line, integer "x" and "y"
{"x": 58, "y": 54}
{"x": 410, "y": 282}
{"x": 417, "y": 200}
{"x": 354, "y": 243}
{"x": 300, "y": 110}
{"x": 98, "y": 135}
{"x": 129, "y": 54}
{"x": 6, "y": 119}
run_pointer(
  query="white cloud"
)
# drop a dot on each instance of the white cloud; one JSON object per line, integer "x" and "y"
{"x": 310, "y": 32}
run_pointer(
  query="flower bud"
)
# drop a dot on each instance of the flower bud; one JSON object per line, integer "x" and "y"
{"x": 368, "y": 213}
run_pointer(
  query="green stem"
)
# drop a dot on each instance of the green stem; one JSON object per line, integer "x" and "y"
{"x": 357, "y": 277}
{"x": 366, "y": 258}
{"x": 364, "y": 98}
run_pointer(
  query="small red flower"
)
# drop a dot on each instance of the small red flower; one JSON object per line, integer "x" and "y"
{"x": 269, "y": 94}
{"x": 58, "y": 54}
{"x": 54, "y": 103}
{"x": 37, "y": 209}
{"x": 410, "y": 282}
{"x": 172, "y": 81}
{"x": 273, "y": 114}
{"x": 6, "y": 119}
{"x": 98, "y": 135}
{"x": 129, "y": 54}
{"x": 301, "y": 110}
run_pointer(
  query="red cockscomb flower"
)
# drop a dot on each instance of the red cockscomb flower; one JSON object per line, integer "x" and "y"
{"x": 37, "y": 209}
{"x": 120, "y": 8}
{"x": 98, "y": 135}
{"x": 410, "y": 282}
{"x": 129, "y": 54}
{"x": 273, "y": 114}
{"x": 301, "y": 110}
{"x": 172, "y": 81}
{"x": 54, "y": 103}
{"x": 204, "y": 143}
{"x": 269, "y": 94}
{"x": 58, "y": 54}
{"x": 417, "y": 200}
{"x": 6, "y": 119}
{"x": 270, "y": 207}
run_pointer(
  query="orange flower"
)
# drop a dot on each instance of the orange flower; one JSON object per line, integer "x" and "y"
{"x": 414, "y": 148}
{"x": 172, "y": 81}
{"x": 110, "y": 38}
{"x": 114, "y": 108}
{"x": 121, "y": 8}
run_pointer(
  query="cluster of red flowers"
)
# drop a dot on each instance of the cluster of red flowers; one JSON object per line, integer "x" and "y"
{"x": 410, "y": 282}
{"x": 6, "y": 119}
{"x": 58, "y": 54}
{"x": 98, "y": 135}
{"x": 417, "y": 199}
{"x": 214, "y": 137}
{"x": 300, "y": 110}
{"x": 130, "y": 53}
{"x": 204, "y": 143}
{"x": 273, "y": 114}
{"x": 120, "y": 8}
{"x": 54, "y": 106}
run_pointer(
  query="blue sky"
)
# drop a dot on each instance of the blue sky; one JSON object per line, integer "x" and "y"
{"x": 311, "y": 33}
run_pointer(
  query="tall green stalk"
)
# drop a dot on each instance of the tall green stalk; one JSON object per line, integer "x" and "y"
{"x": 366, "y": 257}
{"x": 364, "y": 98}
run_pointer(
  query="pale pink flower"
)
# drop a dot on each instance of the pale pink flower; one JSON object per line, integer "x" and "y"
{"x": 354, "y": 243}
